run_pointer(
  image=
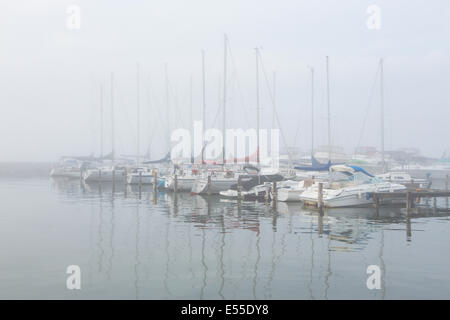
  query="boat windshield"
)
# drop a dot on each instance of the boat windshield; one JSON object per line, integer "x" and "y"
{"x": 339, "y": 179}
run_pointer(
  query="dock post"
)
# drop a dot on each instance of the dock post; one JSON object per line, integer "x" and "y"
{"x": 209, "y": 185}
{"x": 376, "y": 201}
{"x": 408, "y": 203}
{"x": 320, "y": 224}
{"x": 434, "y": 205}
{"x": 446, "y": 189}
{"x": 274, "y": 194}
{"x": 155, "y": 181}
{"x": 267, "y": 195}
{"x": 274, "y": 191}
{"x": 140, "y": 184}
{"x": 408, "y": 228}
{"x": 114, "y": 179}
{"x": 239, "y": 189}
{"x": 320, "y": 196}
{"x": 175, "y": 183}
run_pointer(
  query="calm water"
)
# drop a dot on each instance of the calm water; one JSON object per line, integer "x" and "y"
{"x": 191, "y": 247}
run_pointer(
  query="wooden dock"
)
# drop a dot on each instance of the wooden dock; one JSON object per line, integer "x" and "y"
{"x": 410, "y": 196}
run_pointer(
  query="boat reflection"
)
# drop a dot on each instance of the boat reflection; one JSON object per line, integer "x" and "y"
{"x": 204, "y": 247}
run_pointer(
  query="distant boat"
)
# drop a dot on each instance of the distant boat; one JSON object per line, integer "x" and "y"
{"x": 140, "y": 175}
{"x": 105, "y": 174}
{"x": 218, "y": 181}
{"x": 404, "y": 179}
{"x": 315, "y": 166}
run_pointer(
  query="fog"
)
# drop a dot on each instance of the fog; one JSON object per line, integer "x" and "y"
{"x": 50, "y": 75}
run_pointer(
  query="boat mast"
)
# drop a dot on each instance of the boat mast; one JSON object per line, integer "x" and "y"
{"x": 224, "y": 97}
{"x": 190, "y": 118}
{"x": 112, "y": 118}
{"x": 137, "y": 115}
{"x": 274, "y": 103}
{"x": 167, "y": 107}
{"x": 328, "y": 111}
{"x": 382, "y": 115}
{"x": 101, "y": 122}
{"x": 257, "y": 104}
{"x": 312, "y": 111}
{"x": 204, "y": 100}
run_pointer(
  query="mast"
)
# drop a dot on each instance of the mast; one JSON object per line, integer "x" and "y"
{"x": 204, "y": 99}
{"x": 190, "y": 118}
{"x": 167, "y": 108}
{"x": 328, "y": 111}
{"x": 257, "y": 104}
{"x": 101, "y": 121}
{"x": 382, "y": 114}
{"x": 224, "y": 97}
{"x": 112, "y": 118}
{"x": 274, "y": 103}
{"x": 137, "y": 115}
{"x": 312, "y": 111}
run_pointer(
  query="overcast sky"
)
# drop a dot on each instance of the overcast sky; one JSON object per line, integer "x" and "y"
{"x": 50, "y": 75}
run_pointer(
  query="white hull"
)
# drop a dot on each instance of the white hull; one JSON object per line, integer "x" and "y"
{"x": 200, "y": 186}
{"x": 354, "y": 196}
{"x": 65, "y": 172}
{"x": 145, "y": 178}
{"x": 104, "y": 175}
{"x": 183, "y": 183}
{"x": 289, "y": 195}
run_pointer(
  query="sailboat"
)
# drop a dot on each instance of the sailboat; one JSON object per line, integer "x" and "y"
{"x": 222, "y": 180}
{"x": 112, "y": 172}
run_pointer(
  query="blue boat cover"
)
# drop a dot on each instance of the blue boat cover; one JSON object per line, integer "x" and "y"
{"x": 315, "y": 166}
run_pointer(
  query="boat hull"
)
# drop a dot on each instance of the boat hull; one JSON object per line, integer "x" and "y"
{"x": 135, "y": 178}
{"x": 201, "y": 186}
{"x": 104, "y": 176}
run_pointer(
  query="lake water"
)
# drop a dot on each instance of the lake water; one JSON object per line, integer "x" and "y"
{"x": 169, "y": 246}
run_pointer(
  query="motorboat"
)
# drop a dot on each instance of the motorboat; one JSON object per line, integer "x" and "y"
{"x": 140, "y": 175}
{"x": 67, "y": 168}
{"x": 105, "y": 174}
{"x": 253, "y": 187}
{"x": 290, "y": 190}
{"x": 405, "y": 179}
{"x": 185, "y": 179}
{"x": 214, "y": 182}
{"x": 349, "y": 186}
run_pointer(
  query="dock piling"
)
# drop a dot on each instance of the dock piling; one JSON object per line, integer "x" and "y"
{"x": 140, "y": 184}
{"x": 320, "y": 197}
{"x": 155, "y": 181}
{"x": 209, "y": 185}
{"x": 446, "y": 189}
{"x": 175, "y": 183}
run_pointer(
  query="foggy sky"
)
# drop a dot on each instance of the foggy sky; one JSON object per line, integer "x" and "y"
{"x": 50, "y": 76}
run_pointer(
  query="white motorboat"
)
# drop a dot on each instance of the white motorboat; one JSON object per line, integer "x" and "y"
{"x": 67, "y": 168}
{"x": 140, "y": 176}
{"x": 349, "y": 186}
{"x": 185, "y": 179}
{"x": 291, "y": 190}
{"x": 105, "y": 174}
{"x": 217, "y": 184}
{"x": 404, "y": 179}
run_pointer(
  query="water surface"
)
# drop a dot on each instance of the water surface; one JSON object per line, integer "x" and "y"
{"x": 167, "y": 246}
